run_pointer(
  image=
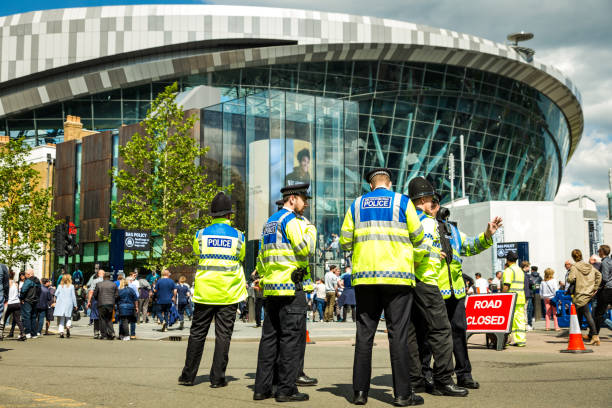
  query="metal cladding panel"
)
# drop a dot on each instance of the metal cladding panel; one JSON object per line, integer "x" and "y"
{"x": 95, "y": 185}
{"x": 63, "y": 193}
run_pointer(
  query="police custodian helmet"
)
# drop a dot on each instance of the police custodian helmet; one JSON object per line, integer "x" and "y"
{"x": 420, "y": 187}
{"x": 221, "y": 205}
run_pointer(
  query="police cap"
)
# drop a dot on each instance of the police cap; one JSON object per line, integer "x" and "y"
{"x": 221, "y": 205}
{"x": 375, "y": 172}
{"x": 296, "y": 189}
{"x": 420, "y": 187}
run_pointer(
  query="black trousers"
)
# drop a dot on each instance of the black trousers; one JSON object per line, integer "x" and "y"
{"x": 225, "y": 316}
{"x": 396, "y": 302}
{"x": 604, "y": 298}
{"x": 430, "y": 332}
{"x": 14, "y": 309}
{"x": 259, "y": 302}
{"x": 106, "y": 321}
{"x": 584, "y": 312}
{"x": 455, "y": 308}
{"x": 282, "y": 344}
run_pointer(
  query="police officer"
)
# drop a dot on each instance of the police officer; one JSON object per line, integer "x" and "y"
{"x": 514, "y": 282}
{"x": 288, "y": 239}
{"x": 456, "y": 244}
{"x": 381, "y": 228}
{"x": 432, "y": 330}
{"x": 220, "y": 285}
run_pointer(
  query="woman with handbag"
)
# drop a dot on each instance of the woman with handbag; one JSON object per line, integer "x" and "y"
{"x": 65, "y": 304}
{"x": 127, "y": 305}
{"x": 586, "y": 279}
{"x": 548, "y": 291}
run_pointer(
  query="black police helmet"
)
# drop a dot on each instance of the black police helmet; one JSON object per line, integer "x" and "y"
{"x": 221, "y": 205}
{"x": 420, "y": 187}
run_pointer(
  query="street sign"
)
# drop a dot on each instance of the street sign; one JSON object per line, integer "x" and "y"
{"x": 137, "y": 240}
{"x": 490, "y": 313}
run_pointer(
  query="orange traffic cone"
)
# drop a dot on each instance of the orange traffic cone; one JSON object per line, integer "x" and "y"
{"x": 308, "y": 341}
{"x": 575, "y": 344}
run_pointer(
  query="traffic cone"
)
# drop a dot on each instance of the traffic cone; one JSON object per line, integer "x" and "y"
{"x": 575, "y": 344}
{"x": 308, "y": 341}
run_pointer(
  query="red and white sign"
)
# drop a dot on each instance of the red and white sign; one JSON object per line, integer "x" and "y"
{"x": 490, "y": 313}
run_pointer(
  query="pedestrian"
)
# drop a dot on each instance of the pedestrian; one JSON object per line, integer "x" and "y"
{"x": 65, "y": 304}
{"x": 220, "y": 284}
{"x": 77, "y": 276}
{"x": 13, "y": 309}
{"x": 347, "y": 299}
{"x": 165, "y": 289}
{"x": 455, "y": 245}
{"x": 288, "y": 239}
{"x": 320, "y": 298}
{"x": 127, "y": 309}
{"x": 381, "y": 228}
{"x": 604, "y": 295}
{"x": 92, "y": 303}
{"x": 29, "y": 294}
{"x": 144, "y": 294}
{"x": 481, "y": 284}
{"x": 106, "y": 294}
{"x": 568, "y": 265}
{"x": 152, "y": 277}
{"x": 496, "y": 283}
{"x": 586, "y": 280}
{"x": 514, "y": 282}
{"x": 331, "y": 288}
{"x": 548, "y": 291}
{"x": 596, "y": 262}
{"x": 430, "y": 332}
{"x": 182, "y": 297}
{"x": 42, "y": 307}
{"x": 51, "y": 308}
{"x": 259, "y": 298}
{"x": 4, "y": 293}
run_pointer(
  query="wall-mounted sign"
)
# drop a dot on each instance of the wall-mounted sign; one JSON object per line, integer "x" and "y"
{"x": 137, "y": 240}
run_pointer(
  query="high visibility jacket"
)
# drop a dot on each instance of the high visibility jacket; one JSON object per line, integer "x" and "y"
{"x": 428, "y": 269}
{"x": 515, "y": 277}
{"x": 382, "y": 228}
{"x": 286, "y": 243}
{"x": 307, "y": 284}
{"x": 220, "y": 278}
{"x": 450, "y": 280}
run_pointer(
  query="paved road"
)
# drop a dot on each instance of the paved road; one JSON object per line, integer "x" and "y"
{"x": 81, "y": 372}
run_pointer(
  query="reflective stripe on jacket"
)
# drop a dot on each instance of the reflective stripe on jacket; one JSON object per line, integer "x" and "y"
{"x": 286, "y": 243}
{"x": 462, "y": 246}
{"x": 428, "y": 269}
{"x": 220, "y": 278}
{"x": 515, "y": 277}
{"x": 382, "y": 228}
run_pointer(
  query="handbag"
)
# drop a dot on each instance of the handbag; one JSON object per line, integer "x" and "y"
{"x": 76, "y": 316}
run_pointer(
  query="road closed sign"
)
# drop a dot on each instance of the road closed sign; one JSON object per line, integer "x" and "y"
{"x": 490, "y": 313}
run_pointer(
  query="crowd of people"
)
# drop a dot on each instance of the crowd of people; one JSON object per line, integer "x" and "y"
{"x": 33, "y": 305}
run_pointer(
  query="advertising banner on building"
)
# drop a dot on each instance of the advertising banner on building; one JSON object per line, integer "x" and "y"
{"x": 490, "y": 313}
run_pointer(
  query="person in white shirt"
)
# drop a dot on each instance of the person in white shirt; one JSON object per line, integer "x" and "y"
{"x": 319, "y": 291}
{"x": 481, "y": 284}
{"x": 497, "y": 282}
{"x": 548, "y": 290}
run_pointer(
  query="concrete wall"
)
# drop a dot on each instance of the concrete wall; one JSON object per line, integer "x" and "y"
{"x": 551, "y": 230}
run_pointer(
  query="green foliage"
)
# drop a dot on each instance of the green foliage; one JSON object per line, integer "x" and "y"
{"x": 25, "y": 220}
{"x": 164, "y": 187}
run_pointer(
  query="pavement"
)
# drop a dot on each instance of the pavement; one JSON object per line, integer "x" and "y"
{"x": 82, "y": 372}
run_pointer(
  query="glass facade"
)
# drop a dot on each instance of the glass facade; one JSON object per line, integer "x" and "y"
{"x": 261, "y": 142}
{"x": 410, "y": 117}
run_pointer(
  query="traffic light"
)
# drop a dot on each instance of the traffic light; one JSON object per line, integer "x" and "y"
{"x": 60, "y": 240}
{"x": 69, "y": 244}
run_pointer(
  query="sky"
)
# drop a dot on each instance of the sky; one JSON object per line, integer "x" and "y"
{"x": 573, "y": 36}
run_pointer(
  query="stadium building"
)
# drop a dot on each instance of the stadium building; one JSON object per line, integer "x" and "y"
{"x": 313, "y": 96}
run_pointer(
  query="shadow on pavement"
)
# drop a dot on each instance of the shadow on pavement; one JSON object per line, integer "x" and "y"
{"x": 206, "y": 379}
{"x": 346, "y": 391}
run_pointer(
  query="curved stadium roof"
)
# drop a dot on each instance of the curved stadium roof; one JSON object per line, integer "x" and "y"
{"x": 55, "y": 55}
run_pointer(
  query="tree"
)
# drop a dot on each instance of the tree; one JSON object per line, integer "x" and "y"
{"x": 26, "y": 221}
{"x": 164, "y": 187}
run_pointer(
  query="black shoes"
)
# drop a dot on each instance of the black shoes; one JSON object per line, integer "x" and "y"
{"x": 68, "y": 333}
{"x": 306, "y": 381}
{"x": 183, "y": 381}
{"x": 468, "y": 383}
{"x": 164, "y": 327}
{"x": 360, "y": 397}
{"x": 424, "y": 385}
{"x": 258, "y": 396}
{"x": 449, "y": 390}
{"x": 298, "y": 396}
{"x": 219, "y": 384}
{"x": 410, "y": 400}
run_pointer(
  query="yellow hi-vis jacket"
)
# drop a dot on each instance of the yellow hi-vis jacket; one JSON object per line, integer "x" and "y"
{"x": 220, "y": 278}
{"x": 286, "y": 243}
{"x": 381, "y": 228}
{"x": 428, "y": 269}
{"x": 450, "y": 280}
{"x": 515, "y": 277}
